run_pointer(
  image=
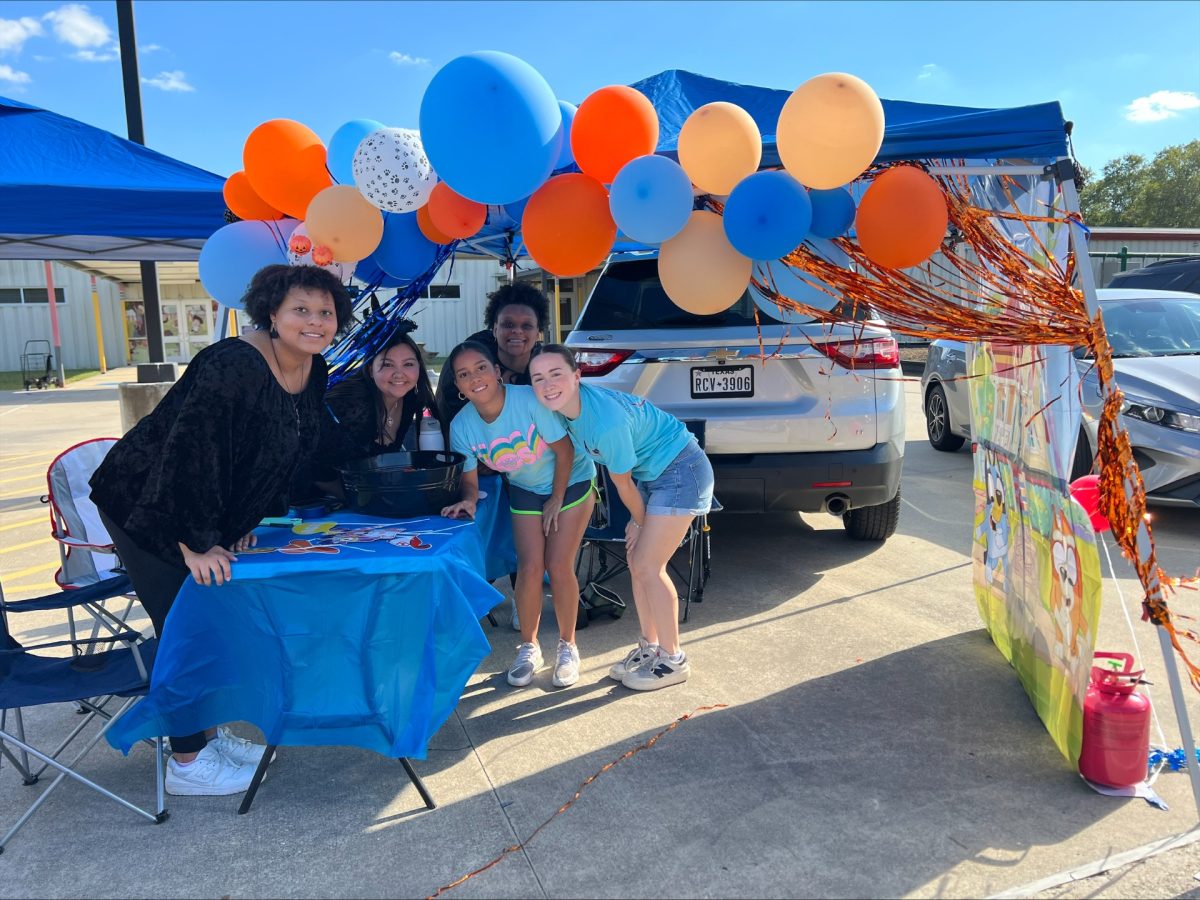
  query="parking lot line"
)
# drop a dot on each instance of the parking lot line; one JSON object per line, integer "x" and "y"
{"x": 15, "y": 547}
{"x": 33, "y": 476}
{"x": 9, "y": 577}
{"x": 37, "y": 465}
{"x": 11, "y": 525}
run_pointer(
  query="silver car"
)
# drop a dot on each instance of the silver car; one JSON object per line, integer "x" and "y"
{"x": 1155, "y": 337}
{"x": 807, "y": 430}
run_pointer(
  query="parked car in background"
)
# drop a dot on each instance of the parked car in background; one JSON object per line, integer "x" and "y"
{"x": 1180, "y": 274}
{"x": 807, "y": 430}
{"x": 1155, "y": 337}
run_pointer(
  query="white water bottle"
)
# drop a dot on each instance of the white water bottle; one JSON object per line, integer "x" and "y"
{"x": 430, "y": 436}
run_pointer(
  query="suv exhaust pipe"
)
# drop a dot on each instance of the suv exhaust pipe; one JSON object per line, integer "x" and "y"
{"x": 836, "y": 504}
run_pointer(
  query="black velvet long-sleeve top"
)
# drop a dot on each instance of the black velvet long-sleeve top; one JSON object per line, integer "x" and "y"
{"x": 214, "y": 457}
{"x": 356, "y": 403}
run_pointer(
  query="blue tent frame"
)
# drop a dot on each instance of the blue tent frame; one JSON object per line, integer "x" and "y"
{"x": 69, "y": 190}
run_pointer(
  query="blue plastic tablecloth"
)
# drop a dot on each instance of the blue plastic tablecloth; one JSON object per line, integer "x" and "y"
{"x": 347, "y": 630}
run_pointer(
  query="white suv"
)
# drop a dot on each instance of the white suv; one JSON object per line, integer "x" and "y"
{"x": 808, "y": 430}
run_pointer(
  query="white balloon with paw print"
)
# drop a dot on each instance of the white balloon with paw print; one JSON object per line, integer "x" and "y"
{"x": 392, "y": 171}
{"x": 300, "y": 253}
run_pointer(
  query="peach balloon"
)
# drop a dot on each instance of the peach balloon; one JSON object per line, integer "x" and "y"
{"x": 453, "y": 214}
{"x": 285, "y": 162}
{"x": 902, "y": 218}
{"x": 700, "y": 270}
{"x": 243, "y": 202}
{"x": 829, "y": 130}
{"x": 429, "y": 229}
{"x": 341, "y": 219}
{"x": 612, "y": 126}
{"x": 719, "y": 145}
{"x": 567, "y": 226}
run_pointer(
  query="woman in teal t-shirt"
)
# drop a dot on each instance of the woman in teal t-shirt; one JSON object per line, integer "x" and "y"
{"x": 663, "y": 478}
{"x": 551, "y": 493}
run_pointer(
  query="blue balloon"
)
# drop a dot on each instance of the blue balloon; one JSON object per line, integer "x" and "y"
{"x": 767, "y": 215}
{"x": 368, "y": 272}
{"x": 404, "y": 252}
{"x": 651, "y": 199}
{"x": 794, "y": 285}
{"x": 832, "y": 212}
{"x": 234, "y": 253}
{"x": 342, "y": 145}
{"x": 565, "y": 156}
{"x": 491, "y": 126}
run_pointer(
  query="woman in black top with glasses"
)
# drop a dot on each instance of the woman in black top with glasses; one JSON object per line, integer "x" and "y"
{"x": 181, "y": 493}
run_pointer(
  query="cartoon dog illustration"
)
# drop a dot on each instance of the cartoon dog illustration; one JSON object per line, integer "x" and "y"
{"x": 995, "y": 529}
{"x": 1066, "y": 590}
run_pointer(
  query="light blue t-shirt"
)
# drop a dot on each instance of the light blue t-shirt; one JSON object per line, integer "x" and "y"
{"x": 517, "y": 443}
{"x": 626, "y": 433}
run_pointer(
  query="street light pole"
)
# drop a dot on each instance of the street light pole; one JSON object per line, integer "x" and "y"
{"x": 137, "y": 134}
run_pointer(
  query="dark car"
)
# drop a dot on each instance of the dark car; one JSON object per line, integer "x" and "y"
{"x": 1180, "y": 274}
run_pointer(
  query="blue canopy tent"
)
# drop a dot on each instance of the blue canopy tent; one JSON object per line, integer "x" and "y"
{"x": 913, "y": 131}
{"x": 73, "y": 191}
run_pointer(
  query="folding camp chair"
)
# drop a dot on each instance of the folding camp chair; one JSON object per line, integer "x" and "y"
{"x": 90, "y": 681}
{"x": 604, "y": 544}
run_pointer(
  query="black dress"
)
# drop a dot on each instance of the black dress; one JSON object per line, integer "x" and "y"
{"x": 214, "y": 457}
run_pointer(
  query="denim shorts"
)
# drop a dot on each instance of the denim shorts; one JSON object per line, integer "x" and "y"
{"x": 685, "y": 487}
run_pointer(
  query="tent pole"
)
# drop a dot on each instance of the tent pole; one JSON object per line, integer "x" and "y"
{"x": 55, "y": 333}
{"x": 99, "y": 328}
{"x": 1087, "y": 283}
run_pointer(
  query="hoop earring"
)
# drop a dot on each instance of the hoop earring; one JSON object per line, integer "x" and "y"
{"x": 462, "y": 396}
{"x": 273, "y": 333}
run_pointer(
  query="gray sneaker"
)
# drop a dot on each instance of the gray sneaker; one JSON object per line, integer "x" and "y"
{"x": 634, "y": 658}
{"x": 529, "y": 660}
{"x": 566, "y": 665}
{"x": 657, "y": 672}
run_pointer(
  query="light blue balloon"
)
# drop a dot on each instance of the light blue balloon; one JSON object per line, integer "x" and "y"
{"x": 342, "y": 145}
{"x": 832, "y": 212}
{"x": 767, "y": 215}
{"x": 491, "y": 126}
{"x": 651, "y": 199}
{"x": 234, "y": 253}
{"x": 796, "y": 285}
{"x": 565, "y": 156}
{"x": 404, "y": 252}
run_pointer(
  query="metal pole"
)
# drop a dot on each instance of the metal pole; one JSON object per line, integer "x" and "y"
{"x": 133, "y": 124}
{"x": 52, "y": 301}
{"x": 1088, "y": 285}
{"x": 557, "y": 313}
{"x": 99, "y": 327}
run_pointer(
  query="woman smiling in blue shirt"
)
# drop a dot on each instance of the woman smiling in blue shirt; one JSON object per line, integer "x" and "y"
{"x": 663, "y": 478}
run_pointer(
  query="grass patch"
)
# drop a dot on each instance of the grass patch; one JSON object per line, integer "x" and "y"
{"x": 11, "y": 381}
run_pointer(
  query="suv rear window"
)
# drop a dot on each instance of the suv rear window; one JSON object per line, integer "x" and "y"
{"x": 629, "y": 296}
{"x": 1183, "y": 275}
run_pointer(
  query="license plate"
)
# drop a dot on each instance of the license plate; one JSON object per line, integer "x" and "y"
{"x": 723, "y": 381}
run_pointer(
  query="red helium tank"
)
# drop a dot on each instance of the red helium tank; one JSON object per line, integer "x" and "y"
{"x": 1116, "y": 726}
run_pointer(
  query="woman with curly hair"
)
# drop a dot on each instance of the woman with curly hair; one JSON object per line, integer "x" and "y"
{"x": 181, "y": 493}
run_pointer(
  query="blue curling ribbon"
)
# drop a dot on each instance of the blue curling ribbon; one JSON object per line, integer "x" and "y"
{"x": 1175, "y": 759}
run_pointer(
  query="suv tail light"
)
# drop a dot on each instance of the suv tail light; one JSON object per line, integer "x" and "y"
{"x": 871, "y": 353}
{"x": 600, "y": 362}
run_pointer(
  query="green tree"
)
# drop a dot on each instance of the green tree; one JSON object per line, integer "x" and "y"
{"x": 1162, "y": 193}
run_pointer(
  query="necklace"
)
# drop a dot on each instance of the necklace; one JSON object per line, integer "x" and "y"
{"x": 287, "y": 387}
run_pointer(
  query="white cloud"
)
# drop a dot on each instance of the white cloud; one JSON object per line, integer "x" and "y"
{"x": 97, "y": 56}
{"x": 12, "y": 76}
{"x": 37, "y": 57}
{"x": 15, "y": 32}
{"x": 403, "y": 59}
{"x": 149, "y": 48}
{"x": 74, "y": 24}
{"x": 929, "y": 71}
{"x": 169, "y": 81}
{"x": 1161, "y": 105}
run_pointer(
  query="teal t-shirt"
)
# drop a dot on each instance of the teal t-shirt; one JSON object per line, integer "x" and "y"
{"x": 517, "y": 443}
{"x": 626, "y": 433}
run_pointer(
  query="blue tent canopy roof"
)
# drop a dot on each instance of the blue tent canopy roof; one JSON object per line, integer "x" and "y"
{"x": 70, "y": 190}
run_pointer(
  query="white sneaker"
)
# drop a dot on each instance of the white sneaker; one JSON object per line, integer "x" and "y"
{"x": 566, "y": 666}
{"x": 659, "y": 671}
{"x": 529, "y": 660}
{"x": 237, "y": 750}
{"x": 634, "y": 658}
{"x": 209, "y": 775}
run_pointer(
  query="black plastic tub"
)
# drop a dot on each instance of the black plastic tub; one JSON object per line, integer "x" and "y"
{"x": 403, "y": 485}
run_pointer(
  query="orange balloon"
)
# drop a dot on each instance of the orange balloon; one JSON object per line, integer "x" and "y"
{"x": 829, "y": 130}
{"x": 452, "y": 214}
{"x": 429, "y": 229}
{"x": 700, "y": 270}
{"x": 567, "y": 226}
{"x": 341, "y": 219}
{"x": 243, "y": 202}
{"x": 612, "y": 126}
{"x": 902, "y": 218}
{"x": 285, "y": 162}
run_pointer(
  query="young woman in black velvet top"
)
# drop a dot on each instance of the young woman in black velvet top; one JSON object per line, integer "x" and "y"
{"x": 181, "y": 493}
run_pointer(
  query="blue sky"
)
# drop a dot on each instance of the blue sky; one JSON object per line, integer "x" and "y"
{"x": 1127, "y": 73}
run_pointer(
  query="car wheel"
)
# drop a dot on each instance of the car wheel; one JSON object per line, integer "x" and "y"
{"x": 1082, "y": 463}
{"x": 937, "y": 421}
{"x": 873, "y": 523}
